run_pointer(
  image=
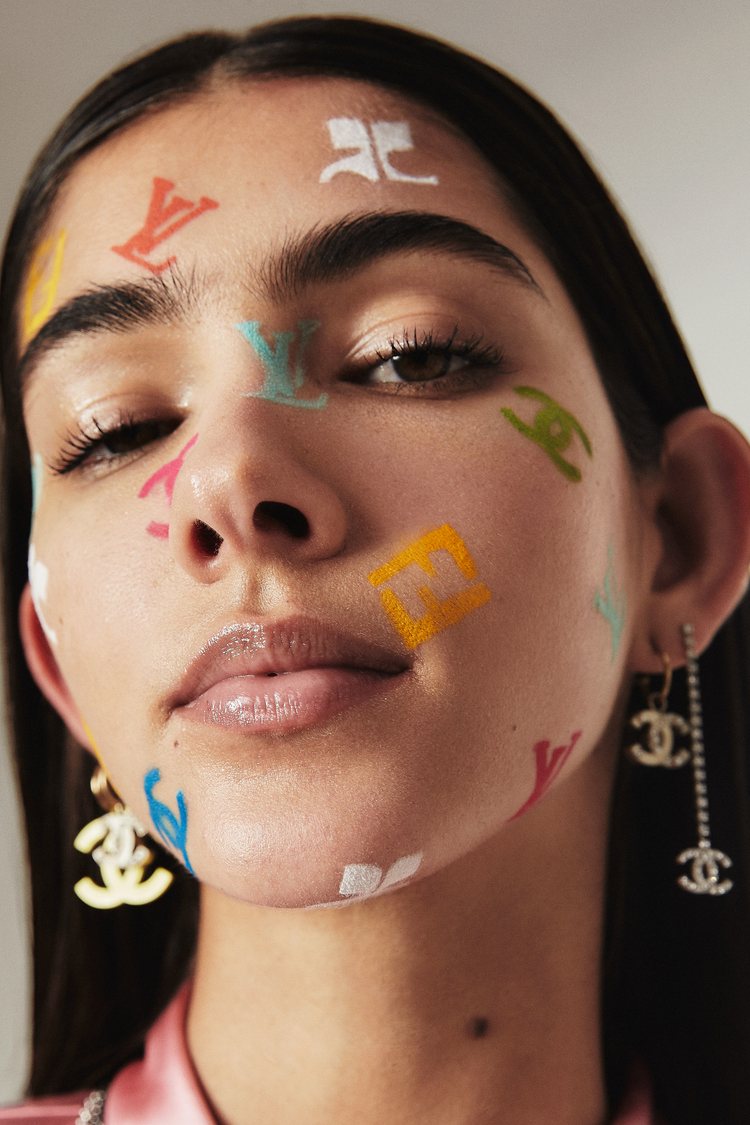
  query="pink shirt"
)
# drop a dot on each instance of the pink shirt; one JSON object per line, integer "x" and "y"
{"x": 163, "y": 1087}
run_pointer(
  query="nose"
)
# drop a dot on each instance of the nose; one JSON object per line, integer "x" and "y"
{"x": 250, "y": 489}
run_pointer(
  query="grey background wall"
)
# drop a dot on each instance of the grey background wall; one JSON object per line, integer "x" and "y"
{"x": 657, "y": 91}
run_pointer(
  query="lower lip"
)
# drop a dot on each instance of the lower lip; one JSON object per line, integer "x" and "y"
{"x": 288, "y": 702}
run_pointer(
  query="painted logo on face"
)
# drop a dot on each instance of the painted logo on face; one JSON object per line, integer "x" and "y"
{"x": 163, "y": 219}
{"x": 38, "y": 584}
{"x": 42, "y": 282}
{"x": 373, "y": 145}
{"x": 171, "y": 828}
{"x": 366, "y": 878}
{"x": 166, "y": 476}
{"x": 281, "y": 383}
{"x": 548, "y": 765}
{"x": 37, "y": 479}
{"x": 440, "y": 612}
{"x": 552, "y": 430}
{"x": 612, "y": 604}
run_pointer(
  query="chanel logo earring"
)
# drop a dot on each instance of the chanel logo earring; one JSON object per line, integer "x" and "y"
{"x": 705, "y": 861}
{"x": 113, "y": 840}
{"x": 662, "y": 725}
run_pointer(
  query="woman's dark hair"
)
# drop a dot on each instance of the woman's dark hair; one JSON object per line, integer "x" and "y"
{"x": 676, "y": 969}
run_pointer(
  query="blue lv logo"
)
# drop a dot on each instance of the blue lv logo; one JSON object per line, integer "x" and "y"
{"x": 171, "y": 829}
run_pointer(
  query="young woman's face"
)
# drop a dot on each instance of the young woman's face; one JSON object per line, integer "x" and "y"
{"x": 336, "y": 545}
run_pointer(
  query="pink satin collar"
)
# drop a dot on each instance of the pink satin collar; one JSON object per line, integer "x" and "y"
{"x": 163, "y": 1086}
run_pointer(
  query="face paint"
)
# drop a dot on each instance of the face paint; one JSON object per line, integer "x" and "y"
{"x": 172, "y": 830}
{"x": 37, "y": 476}
{"x": 548, "y": 766}
{"x": 166, "y": 475}
{"x": 440, "y": 613}
{"x": 158, "y": 227}
{"x": 382, "y": 138}
{"x": 552, "y": 430}
{"x": 41, "y": 286}
{"x": 365, "y": 878}
{"x": 38, "y": 582}
{"x": 121, "y": 861}
{"x": 280, "y": 383}
{"x": 612, "y": 604}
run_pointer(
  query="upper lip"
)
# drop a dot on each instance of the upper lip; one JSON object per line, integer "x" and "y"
{"x": 255, "y": 648}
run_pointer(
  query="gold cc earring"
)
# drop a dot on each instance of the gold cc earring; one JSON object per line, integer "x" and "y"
{"x": 114, "y": 843}
{"x": 662, "y": 725}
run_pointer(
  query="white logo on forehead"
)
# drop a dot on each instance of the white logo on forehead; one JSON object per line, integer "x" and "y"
{"x": 373, "y": 146}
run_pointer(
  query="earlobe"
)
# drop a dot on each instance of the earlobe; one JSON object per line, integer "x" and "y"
{"x": 701, "y": 517}
{"x": 45, "y": 670}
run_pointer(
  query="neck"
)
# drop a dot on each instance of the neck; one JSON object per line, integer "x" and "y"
{"x": 469, "y": 996}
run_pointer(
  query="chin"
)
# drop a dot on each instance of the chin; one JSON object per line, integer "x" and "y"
{"x": 304, "y": 874}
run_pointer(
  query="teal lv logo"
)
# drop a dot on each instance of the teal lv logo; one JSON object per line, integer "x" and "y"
{"x": 281, "y": 383}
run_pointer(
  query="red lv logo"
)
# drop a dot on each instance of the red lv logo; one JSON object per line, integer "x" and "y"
{"x": 161, "y": 224}
{"x": 548, "y": 765}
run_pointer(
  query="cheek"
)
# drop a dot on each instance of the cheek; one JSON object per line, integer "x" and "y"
{"x": 522, "y": 585}
{"x": 100, "y": 563}
{"x": 98, "y": 592}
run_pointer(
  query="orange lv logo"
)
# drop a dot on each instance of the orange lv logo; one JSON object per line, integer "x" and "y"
{"x": 162, "y": 221}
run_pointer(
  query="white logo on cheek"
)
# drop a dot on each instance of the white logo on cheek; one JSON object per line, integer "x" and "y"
{"x": 387, "y": 137}
{"x": 38, "y": 582}
{"x": 366, "y": 878}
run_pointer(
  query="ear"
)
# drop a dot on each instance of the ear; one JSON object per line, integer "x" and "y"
{"x": 700, "y": 537}
{"x": 44, "y": 668}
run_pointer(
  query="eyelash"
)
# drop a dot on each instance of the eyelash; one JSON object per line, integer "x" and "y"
{"x": 480, "y": 358}
{"x": 80, "y": 444}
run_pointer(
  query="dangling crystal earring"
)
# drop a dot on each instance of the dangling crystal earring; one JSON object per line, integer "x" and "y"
{"x": 705, "y": 861}
{"x": 113, "y": 840}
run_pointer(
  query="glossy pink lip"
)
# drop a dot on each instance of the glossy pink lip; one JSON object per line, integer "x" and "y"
{"x": 282, "y": 676}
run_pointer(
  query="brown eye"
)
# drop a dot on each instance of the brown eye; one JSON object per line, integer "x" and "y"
{"x": 416, "y": 366}
{"x": 420, "y": 365}
{"x": 429, "y": 364}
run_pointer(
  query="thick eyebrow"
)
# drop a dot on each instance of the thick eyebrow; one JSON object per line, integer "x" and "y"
{"x": 322, "y": 255}
{"x": 163, "y": 299}
{"x": 341, "y": 248}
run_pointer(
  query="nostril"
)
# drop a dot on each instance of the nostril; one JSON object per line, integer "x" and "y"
{"x": 206, "y": 539}
{"x": 270, "y": 515}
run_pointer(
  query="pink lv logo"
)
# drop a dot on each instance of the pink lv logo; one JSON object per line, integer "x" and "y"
{"x": 167, "y": 476}
{"x": 548, "y": 766}
{"x": 161, "y": 223}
